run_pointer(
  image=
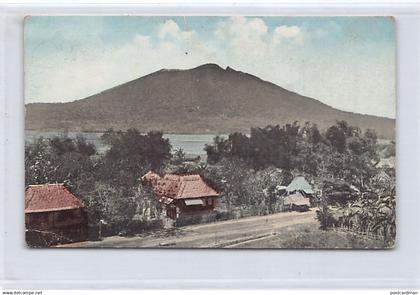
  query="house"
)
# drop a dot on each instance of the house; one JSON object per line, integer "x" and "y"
{"x": 53, "y": 215}
{"x": 184, "y": 197}
{"x": 300, "y": 187}
{"x": 300, "y": 184}
{"x": 297, "y": 202}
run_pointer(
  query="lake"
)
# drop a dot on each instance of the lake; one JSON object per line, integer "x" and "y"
{"x": 192, "y": 144}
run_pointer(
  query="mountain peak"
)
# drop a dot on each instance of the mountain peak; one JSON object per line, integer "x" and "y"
{"x": 206, "y": 66}
{"x": 205, "y": 99}
{"x": 209, "y": 66}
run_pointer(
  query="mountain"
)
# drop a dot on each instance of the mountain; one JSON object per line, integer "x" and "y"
{"x": 205, "y": 99}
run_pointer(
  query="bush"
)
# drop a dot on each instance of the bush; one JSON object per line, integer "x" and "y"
{"x": 139, "y": 226}
{"x": 325, "y": 217}
{"x": 93, "y": 232}
{"x": 221, "y": 216}
{"x": 188, "y": 219}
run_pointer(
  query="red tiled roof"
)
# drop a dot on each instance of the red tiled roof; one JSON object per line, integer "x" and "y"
{"x": 180, "y": 186}
{"x": 50, "y": 197}
{"x": 150, "y": 177}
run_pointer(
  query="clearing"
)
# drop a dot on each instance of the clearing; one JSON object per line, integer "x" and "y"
{"x": 280, "y": 230}
{"x": 210, "y": 235}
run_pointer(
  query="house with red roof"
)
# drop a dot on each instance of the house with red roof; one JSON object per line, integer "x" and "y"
{"x": 183, "y": 197}
{"x": 53, "y": 215}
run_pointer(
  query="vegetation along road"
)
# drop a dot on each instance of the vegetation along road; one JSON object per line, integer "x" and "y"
{"x": 224, "y": 234}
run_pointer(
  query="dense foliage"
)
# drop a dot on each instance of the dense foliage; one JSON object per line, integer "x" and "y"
{"x": 343, "y": 152}
{"x": 371, "y": 214}
{"x": 342, "y": 164}
{"x": 249, "y": 169}
{"x": 107, "y": 183}
{"x": 61, "y": 160}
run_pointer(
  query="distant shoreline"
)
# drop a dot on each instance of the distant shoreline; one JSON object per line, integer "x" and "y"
{"x": 226, "y": 134}
{"x": 191, "y": 144}
{"x": 141, "y": 131}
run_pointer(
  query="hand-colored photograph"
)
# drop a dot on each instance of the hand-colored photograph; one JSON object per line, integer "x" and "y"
{"x": 210, "y": 132}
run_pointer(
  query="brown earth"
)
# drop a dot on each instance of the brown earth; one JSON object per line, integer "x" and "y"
{"x": 224, "y": 234}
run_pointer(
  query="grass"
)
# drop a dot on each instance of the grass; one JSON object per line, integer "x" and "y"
{"x": 309, "y": 236}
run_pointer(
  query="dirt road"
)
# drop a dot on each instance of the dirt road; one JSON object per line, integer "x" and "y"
{"x": 224, "y": 234}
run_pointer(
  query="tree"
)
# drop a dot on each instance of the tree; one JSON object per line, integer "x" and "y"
{"x": 61, "y": 159}
{"x": 178, "y": 157}
{"x": 218, "y": 150}
{"x": 273, "y": 146}
{"x": 336, "y": 138}
{"x": 110, "y": 204}
{"x": 228, "y": 177}
{"x": 315, "y": 135}
{"x": 157, "y": 149}
{"x": 389, "y": 150}
{"x": 261, "y": 192}
{"x": 39, "y": 166}
{"x": 131, "y": 154}
{"x": 240, "y": 145}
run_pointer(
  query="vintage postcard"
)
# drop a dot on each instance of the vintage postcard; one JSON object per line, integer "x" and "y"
{"x": 210, "y": 132}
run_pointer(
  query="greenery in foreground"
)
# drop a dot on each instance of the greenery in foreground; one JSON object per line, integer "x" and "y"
{"x": 247, "y": 168}
{"x": 309, "y": 236}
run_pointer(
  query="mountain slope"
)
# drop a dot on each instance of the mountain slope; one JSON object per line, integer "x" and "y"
{"x": 206, "y": 99}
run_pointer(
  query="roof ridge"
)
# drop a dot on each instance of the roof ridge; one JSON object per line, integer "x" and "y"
{"x": 191, "y": 185}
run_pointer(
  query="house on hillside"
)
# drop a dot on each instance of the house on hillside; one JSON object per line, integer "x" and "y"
{"x": 53, "y": 215}
{"x": 185, "y": 198}
{"x": 297, "y": 202}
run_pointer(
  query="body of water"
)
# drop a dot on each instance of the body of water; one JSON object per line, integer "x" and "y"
{"x": 192, "y": 144}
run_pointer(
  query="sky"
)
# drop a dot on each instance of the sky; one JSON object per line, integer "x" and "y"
{"x": 345, "y": 62}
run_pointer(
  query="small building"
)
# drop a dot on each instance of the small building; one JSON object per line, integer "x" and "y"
{"x": 300, "y": 184}
{"x": 186, "y": 198}
{"x": 53, "y": 215}
{"x": 296, "y": 202}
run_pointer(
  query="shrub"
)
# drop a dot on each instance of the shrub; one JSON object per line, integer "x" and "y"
{"x": 325, "y": 217}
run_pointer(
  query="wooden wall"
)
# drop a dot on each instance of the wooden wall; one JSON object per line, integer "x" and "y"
{"x": 45, "y": 229}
